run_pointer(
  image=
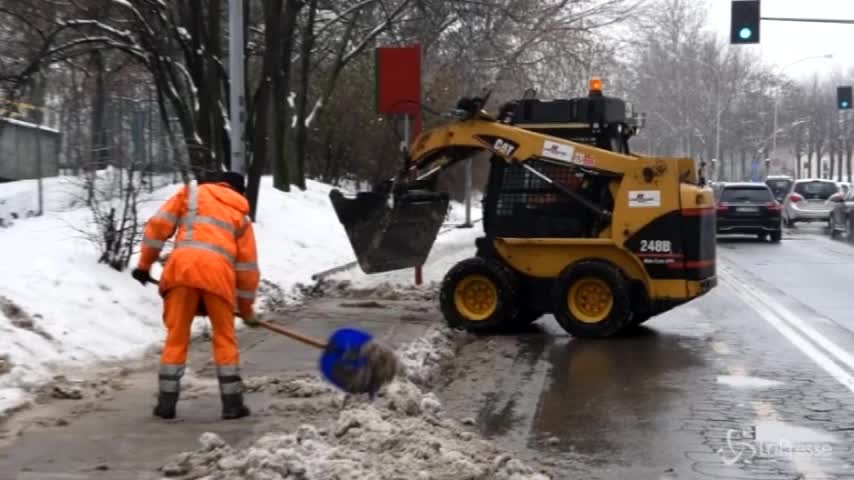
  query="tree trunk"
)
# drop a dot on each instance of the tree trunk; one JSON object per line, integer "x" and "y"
{"x": 302, "y": 107}
{"x": 99, "y": 100}
{"x": 219, "y": 144}
{"x": 283, "y": 174}
{"x": 265, "y": 133}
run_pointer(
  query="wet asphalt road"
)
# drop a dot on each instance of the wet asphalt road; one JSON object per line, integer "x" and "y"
{"x": 753, "y": 381}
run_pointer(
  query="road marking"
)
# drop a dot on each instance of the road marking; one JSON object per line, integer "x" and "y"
{"x": 748, "y": 295}
{"x": 793, "y": 320}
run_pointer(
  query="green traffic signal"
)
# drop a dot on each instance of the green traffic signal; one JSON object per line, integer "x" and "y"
{"x": 744, "y": 21}
{"x": 843, "y": 97}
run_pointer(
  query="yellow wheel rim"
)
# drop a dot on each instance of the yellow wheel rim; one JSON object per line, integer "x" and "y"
{"x": 590, "y": 300}
{"x": 476, "y": 297}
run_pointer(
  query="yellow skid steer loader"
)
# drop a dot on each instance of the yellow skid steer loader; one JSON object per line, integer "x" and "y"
{"x": 574, "y": 224}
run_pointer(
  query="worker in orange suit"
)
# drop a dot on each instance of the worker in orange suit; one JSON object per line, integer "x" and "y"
{"x": 213, "y": 266}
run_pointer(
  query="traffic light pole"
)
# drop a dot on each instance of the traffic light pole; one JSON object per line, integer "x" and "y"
{"x": 815, "y": 20}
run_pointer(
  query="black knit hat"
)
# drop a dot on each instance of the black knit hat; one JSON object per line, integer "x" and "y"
{"x": 236, "y": 181}
{"x": 233, "y": 179}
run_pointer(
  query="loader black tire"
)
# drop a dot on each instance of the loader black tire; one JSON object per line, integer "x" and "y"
{"x": 478, "y": 295}
{"x": 590, "y": 299}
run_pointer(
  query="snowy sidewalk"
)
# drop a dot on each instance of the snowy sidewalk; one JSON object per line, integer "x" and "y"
{"x": 115, "y": 436}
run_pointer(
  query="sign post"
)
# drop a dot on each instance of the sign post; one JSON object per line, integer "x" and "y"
{"x": 398, "y": 92}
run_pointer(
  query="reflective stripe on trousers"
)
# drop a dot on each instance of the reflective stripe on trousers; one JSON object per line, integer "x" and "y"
{"x": 169, "y": 378}
{"x": 230, "y": 382}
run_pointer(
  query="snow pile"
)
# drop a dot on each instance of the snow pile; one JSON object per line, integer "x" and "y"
{"x": 405, "y": 434}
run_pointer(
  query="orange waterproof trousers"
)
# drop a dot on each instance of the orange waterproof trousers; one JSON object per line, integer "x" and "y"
{"x": 180, "y": 307}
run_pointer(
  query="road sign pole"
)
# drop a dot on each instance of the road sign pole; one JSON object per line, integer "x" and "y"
{"x": 468, "y": 194}
{"x": 407, "y": 138}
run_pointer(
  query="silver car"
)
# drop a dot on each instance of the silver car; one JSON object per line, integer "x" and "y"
{"x": 809, "y": 201}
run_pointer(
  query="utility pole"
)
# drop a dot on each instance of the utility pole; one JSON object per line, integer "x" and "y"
{"x": 845, "y": 145}
{"x": 236, "y": 93}
{"x": 717, "y": 159}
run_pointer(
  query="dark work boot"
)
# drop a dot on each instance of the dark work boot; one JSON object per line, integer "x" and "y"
{"x": 233, "y": 407}
{"x": 169, "y": 386}
{"x": 166, "y": 403}
{"x": 231, "y": 392}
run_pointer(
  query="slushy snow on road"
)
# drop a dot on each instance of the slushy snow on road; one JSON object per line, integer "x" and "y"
{"x": 403, "y": 434}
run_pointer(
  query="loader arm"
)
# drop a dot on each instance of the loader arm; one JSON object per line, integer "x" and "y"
{"x": 395, "y": 225}
{"x": 441, "y": 147}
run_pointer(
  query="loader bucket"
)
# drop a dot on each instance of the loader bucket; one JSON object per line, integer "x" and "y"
{"x": 388, "y": 238}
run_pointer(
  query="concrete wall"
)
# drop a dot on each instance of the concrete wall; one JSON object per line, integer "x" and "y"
{"x": 21, "y": 145}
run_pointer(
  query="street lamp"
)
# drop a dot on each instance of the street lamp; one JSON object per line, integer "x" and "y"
{"x": 777, "y": 99}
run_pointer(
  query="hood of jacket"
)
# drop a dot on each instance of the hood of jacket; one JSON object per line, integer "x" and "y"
{"x": 224, "y": 193}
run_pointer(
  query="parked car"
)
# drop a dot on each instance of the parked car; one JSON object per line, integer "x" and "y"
{"x": 749, "y": 208}
{"x": 842, "y": 215}
{"x": 809, "y": 201}
{"x": 780, "y": 185}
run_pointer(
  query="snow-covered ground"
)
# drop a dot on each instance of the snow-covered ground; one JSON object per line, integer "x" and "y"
{"x": 60, "y": 309}
{"x": 60, "y": 194}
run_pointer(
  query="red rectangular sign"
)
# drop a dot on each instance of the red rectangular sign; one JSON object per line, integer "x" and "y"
{"x": 399, "y": 80}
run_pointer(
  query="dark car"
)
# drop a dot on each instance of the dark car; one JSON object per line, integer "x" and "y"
{"x": 749, "y": 208}
{"x": 842, "y": 214}
{"x": 780, "y": 186}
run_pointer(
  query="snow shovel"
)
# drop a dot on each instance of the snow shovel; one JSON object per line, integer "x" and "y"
{"x": 351, "y": 359}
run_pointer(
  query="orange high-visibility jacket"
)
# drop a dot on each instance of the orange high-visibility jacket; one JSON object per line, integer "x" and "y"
{"x": 214, "y": 246}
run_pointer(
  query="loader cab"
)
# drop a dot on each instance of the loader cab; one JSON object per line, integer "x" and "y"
{"x": 598, "y": 120}
{"x": 519, "y": 204}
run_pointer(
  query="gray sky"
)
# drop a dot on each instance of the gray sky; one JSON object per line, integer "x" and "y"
{"x": 782, "y": 43}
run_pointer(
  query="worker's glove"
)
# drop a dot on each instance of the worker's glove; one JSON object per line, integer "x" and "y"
{"x": 251, "y": 320}
{"x": 142, "y": 276}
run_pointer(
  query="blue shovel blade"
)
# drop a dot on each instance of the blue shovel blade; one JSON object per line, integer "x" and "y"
{"x": 342, "y": 353}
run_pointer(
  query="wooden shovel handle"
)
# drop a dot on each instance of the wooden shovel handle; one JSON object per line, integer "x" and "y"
{"x": 289, "y": 333}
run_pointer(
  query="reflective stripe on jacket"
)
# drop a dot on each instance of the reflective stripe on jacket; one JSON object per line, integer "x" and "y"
{"x": 214, "y": 243}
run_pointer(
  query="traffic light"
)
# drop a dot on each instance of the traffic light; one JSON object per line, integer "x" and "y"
{"x": 843, "y": 98}
{"x": 744, "y": 22}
